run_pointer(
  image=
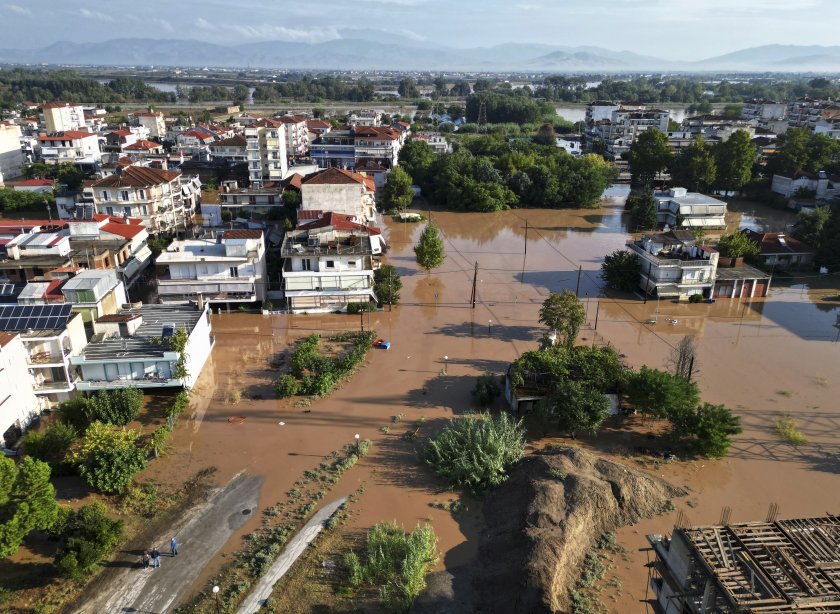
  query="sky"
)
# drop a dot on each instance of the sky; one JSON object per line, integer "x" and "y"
{"x": 670, "y": 29}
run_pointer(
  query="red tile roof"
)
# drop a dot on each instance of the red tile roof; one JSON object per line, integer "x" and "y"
{"x": 6, "y": 338}
{"x": 378, "y": 132}
{"x": 340, "y": 221}
{"x": 55, "y": 105}
{"x": 243, "y": 234}
{"x": 310, "y": 214}
{"x": 234, "y": 141}
{"x": 292, "y": 119}
{"x": 296, "y": 181}
{"x": 318, "y": 123}
{"x": 128, "y": 231}
{"x": 32, "y": 183}
{"x": 337, "y": 176}
{"x": 143, "y": 145}
{"x": 67, "y": 135}
{"x": 137, "y": 177}
{"x": 201, "y": 136}
{"x": 122, "y": 132}
{"x": 770, "y": 243}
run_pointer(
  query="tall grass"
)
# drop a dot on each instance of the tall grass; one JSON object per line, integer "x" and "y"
{"x": 786, "y": 427}
{"x": 476, "y": 452}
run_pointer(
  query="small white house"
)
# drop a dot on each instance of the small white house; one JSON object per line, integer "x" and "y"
{"x": 679, "y": 208}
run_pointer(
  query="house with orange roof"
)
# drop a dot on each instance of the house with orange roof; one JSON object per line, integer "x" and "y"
{"x": 73, "y": 146}
{"x": 335, "y": 190}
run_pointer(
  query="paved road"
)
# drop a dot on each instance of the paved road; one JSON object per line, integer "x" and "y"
{"x": 262, "y": 591}
{"x": 201, "y": 534}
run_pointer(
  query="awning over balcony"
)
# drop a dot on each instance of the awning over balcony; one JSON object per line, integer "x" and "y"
{"x": 205, "y": 288}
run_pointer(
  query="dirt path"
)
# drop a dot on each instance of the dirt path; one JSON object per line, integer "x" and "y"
{"x": 201, "y": 535}
{"x": 294, "y": 549}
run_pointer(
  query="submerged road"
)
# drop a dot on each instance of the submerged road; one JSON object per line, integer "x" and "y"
{"x": 200, "y": 535}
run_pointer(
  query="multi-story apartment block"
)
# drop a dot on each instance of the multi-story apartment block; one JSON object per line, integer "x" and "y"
{"x": 372, "y": 149}
{"x": 131, "y": 348}
{"x": 18, "y": 403}
{"x": 807, "y": 112}
{"x": 238, "y": 201}
{"x": 366, "y": 117}
{"x": 297, "y": 136}
{"x": 154, "y": 123}
{"x": 329, "y": 263}
{"x": 228, "y": 269}
{"x": 63, "y": 117}
{"x": 672, "y": 265}
{"x": 233, "y": 149}
{"x": 162, "y": 199}
{"x": 614, "y": 135}
{"x": 94, "y": 293}
{"x": 762, "y": 111}
{"x": 11, "y": 153}
{"x": 679, "y": 208}
{"x": 124, "y": 241}
{"x": 338, "y": 191}
{"x": 51, "y": 334}
{"x": 716, "y": 127}
{"x": 71, "y": 146}
{"x": 266, "y": 151}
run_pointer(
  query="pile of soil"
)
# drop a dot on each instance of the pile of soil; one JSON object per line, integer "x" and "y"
{"x": 547, "y": 516}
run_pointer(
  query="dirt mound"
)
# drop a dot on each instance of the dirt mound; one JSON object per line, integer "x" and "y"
{"x": 543, "y": 521}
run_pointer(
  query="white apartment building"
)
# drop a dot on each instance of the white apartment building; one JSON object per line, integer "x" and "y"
{"x": 70, "y": 146}
{"x": 233, "y": 149}
{"x": 266, "y": 151}
{"x": 762, "y": 111}
{"x": 154, "y": 123}
{"x": 297, "y": 136}
{"x": 366, "y": 117}
{"x": 18, "y": 403}
{"x": 438, "y": 142}
{"x": 615, "y": 135}
{"x": 11, "y": 154}
{"x": 679, "y": 208}
{"x": 228, "y": 269}
{"x": 829, "y": 128}
{"x": 716, "y": 127}
{"x": 329, "y": 263}
{"x": 63, "y": 117}
{"x": 51, "y": 334}
{"x": 129, "y": 236}
{"x": 131, "y": 348}
{"x": 338, "y": 191}
{"x": 805, "y": 112}
{"x": 162, "y": 199}
{"x": 672, "y": 265}
{"x": 94, "y": 293}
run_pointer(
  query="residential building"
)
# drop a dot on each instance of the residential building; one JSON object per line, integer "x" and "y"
{"x": 365, "y": 117}
{"x": 63, "y": 117}
{"x": 29, "y": 251}
{"x": 679, "y": 208}
{"x": 335, "y": 149}
{"x": 11, "y": 154}
{"x": 763, "y": 111}
{"x": 572, "y": 145}
{"x": 112, "y": 242}
{"x": 615, "y": 135}
{"x": 71, "y": 146}
{"x": 807, "y": 186}
{"x": 338, "y": 191}
{"x": 829, "y": 127}
{"x": 771, "y": 567}
{"x": 806, "y": 112}
{"x": 739, "y": 281}
{"x": 329, "y": 263}
{"x": 374, "y": 150}
{"x": 716, "y": 127}
{"x": 438, "y": 142}
{"x": 228, "y": 269}
{"x": 94, "y": 294}
{"x": 154, "y": 123}
{"x": 132, "y": 348}
{"x": 117, "y": 140}
{"x": 232, "y": 149}
{"x": 778, "y": 250}
{"x": 144, "y": 151}
{"x": 297, "y": 136}
{"x": 673, "y": 265}
{"x": 162, "y": 199}
{"x": 44, "y": 186}
{"x": 237, "y": 201}
{"x": 194, "y": 142}
{"x": 679, "y": 140}
{"x": 318, "y": 126}
{"x": 18, "y": 403}
{"x": 51, "y": 334}
{"x": 266, "y": 151}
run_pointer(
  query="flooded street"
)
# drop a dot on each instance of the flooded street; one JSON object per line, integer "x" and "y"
{"x": 760, "y": 357}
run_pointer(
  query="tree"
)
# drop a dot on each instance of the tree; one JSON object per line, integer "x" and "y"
{"x": 735, "y": 158}
{"x": 576, "y": 406}
{"x": 828, "y": 252}
{"x": 387, "y": 285}
{"x": 119, "y": 406}
{"x": 708, "y": 429}
{"x": 682, "y": 358}
{"x": 642, "y": 209}
{"x": 70, "y": 175}
{"x": 621, "y": 270}
{"x": 545, "y": 135}
{"x": 107, "y": 456}
{"x": 397, "y": 192}
{"x": 407, "y": 88}
{"x": 732, "y": 111}
{"x": 429, "y": 249}
{"x": 648, "y": 156}
{"x": 416, "y": 157}
{"x": 291, "y": 198}
{"x": 809, "y": 226}
{"x": 736, "y": 245}
{"x": 695, "y": 167}
{"x": 74, "y": 413}
{"x": 661, "y": 394}
{"x": 27, "y": 501}
{"x": 51, "y": 444}
{"x": 486, "y": 389}
{"x": 88, "y": 536}
{"x": 564, "y": 314}
{"x": 37, "y": 169}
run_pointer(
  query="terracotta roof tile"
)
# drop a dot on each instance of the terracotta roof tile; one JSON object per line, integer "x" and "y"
{"x": 242, "y": 234}
{"x": 137, "y": 177}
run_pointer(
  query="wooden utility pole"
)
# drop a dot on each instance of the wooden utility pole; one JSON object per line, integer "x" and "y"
{"x": 577, "y": 288}
{"x": 526, "y": 237}
{"x": 597, "y": 311}
{"x": 475, "y": 281}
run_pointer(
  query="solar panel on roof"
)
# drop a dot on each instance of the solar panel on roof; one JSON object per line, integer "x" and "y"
{"x": 36, "y": 317}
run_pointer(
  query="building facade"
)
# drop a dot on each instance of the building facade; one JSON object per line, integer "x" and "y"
{"x": 266, "y": 151}
{"x": 679, "y": 208}
{"x": 71, "y": 146}
{"x": 11, "y": 154}
{"x": 63, "y": 117}
{"x": 18, "y": 403}
{"x": 672, "y": 265}
{"x": 338, "y": 191}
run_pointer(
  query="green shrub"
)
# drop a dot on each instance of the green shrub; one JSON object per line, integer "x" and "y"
{"x": 394, "y": 561}
{"x": 696, "y": 298}
{"x": 286, "y": 386}
{"x": 119, "y": 406}
{"x": 486, "y": 389}
{"x": 75, "y": 413}
{"x": 110, "y": 470}
{"x": 353, "y": 308}
{"x": 51, "y": 444}
{"x": 476, "y": 452}
{"x": 88, "y": 536}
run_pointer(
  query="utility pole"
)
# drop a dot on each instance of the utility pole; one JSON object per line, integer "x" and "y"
{"x": 475, "y": 281}
{"x": 362, "y": 320}
{"x": 597, "y": 311}
{"x": 577, "y": 288}
{"x": 526, "y": 237}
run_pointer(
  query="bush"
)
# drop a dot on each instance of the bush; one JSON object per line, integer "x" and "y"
{"x": 737, "y": 245}
{"x": 50, "y": 445}
{"x": 696, "y": 298}
{"x": 621, "y": 270}
{"x": 318, "y": 374}
{"x": 354, "y": 308}
{"x": 475, "y": 452}
{"x": 107, "y": 456}
{"x": 286, "y": 386}
{"x": 486, "y": 389}
{"x": 74, "y": 413}
{"x": 88, "y": 537}
{"x": 394, "y": 561}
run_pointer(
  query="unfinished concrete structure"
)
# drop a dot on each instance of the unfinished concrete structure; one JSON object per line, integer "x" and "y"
{"x": 762, "y": 567}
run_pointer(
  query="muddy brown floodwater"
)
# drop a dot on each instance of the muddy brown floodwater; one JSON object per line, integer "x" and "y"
{"x": 760, "y": 357}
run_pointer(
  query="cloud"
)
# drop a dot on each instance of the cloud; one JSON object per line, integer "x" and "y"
{"x": 95, "y": 15}
{"x": 164, "y": 25}
{"x": 295, "y": 35}
{"x": 205, "y": 25}
{"x": 16, "y": 8}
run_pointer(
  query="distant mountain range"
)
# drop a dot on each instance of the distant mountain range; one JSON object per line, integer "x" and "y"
{"x": 373, "y": 50}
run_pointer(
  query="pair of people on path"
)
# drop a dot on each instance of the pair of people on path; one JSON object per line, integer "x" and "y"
{"x": 154, "y": 555}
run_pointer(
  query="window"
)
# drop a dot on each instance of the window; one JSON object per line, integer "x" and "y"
{"x": 351, "y": 264}
{"x": 127, "y": 211}
{"x": 234, "y": 272}
{"x": 306, "y": 264}
{"x": 123, "y": 194}
{"x": 145, "y": 210}
{"x": 105, "y": 195}
{"x": 109, "y": 210}
{"x": 330, "y": 264}
{"x": 141, "y": 194}
{"x": 252, "y": 200}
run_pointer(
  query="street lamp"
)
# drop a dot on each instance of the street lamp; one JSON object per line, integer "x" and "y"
{"x": 216, "y": 595}
{"x": 358, "y": 449}
{"x": 445, "y": 358}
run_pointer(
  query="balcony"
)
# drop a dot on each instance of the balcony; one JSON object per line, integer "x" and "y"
{"x": 46, "y": 359}
{"x": 50, "y": 387}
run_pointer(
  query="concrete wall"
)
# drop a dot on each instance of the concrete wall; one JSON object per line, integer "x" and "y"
{"x": 336, "y": 198}
{"x": 198, "y": 348}
{"x": 18, "y": 403}
{"x": 11, "y": 156}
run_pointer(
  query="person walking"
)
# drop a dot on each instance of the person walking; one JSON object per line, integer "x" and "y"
{"x": 155, "y": 557}
{"x": 146, "y": 559}
{"x": 173, "y": 547}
